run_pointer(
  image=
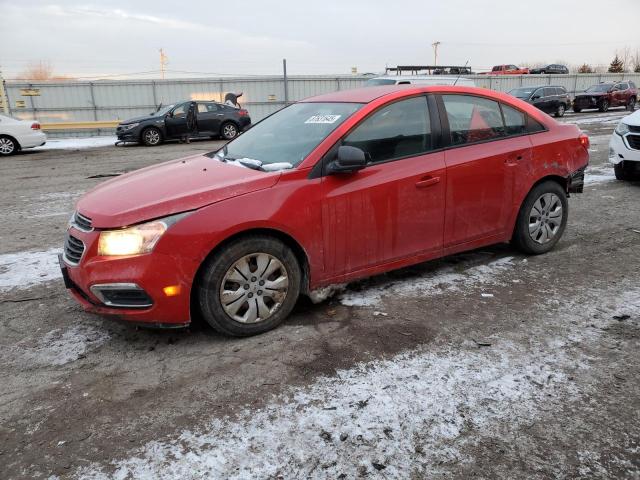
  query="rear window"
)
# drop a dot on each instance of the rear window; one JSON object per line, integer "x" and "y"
{"x": 473, "y": 119}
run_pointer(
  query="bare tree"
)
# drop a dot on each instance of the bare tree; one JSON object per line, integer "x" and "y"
{"x": 40, "y": 71}
{"x": 636, "y": 61}
{"x": 585, "y": 68}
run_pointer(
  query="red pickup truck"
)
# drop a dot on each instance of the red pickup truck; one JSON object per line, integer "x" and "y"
{"x": 507, "y": 70}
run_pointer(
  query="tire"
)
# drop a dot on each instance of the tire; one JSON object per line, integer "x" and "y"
{"x": 236, "y": 271}
{"x": 621, "y": 172}
{"x": 577, "y": 109}
{"x": 546, "y": 197}
{"x": 631, "y": 106}
{"x": 151, "y": 137}
{"x": 229, "y": 130}
{"x": 604, "y": 106}
{"x": 8, "y": 146}
{"x": 560, "y": 110}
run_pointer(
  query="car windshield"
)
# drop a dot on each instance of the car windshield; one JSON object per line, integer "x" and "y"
{"x": 163, "y": 110}
{"x": 523, "y": 92}
{"x": 374, "y": 82}
{"x": 285, "y": 138}
{"x": 603, "y": 87}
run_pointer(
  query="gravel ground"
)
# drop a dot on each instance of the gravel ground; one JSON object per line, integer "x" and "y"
{"x": 487, "y": 364}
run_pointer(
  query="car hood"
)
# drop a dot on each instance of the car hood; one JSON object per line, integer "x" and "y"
{"x": 140, "y": 119}
{"x": 169, "y": 188}
{"x": 633, "y": 119}
{"x": 593, "y": 94}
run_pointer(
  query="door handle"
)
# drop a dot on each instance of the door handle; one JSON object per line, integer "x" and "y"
{"x": 427, "y": 182}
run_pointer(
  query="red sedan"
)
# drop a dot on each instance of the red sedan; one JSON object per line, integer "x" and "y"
{"x": 328, "y": 190}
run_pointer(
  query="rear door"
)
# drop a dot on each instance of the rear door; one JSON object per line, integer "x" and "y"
{"x": 209, "y": 118}
{"x": 482, "y": 161}
{"x": 393, "y": 208}
{"x": 550, "y": 99}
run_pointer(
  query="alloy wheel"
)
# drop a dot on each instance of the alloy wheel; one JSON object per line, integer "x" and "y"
{"x": 7, "y": 146}
{"x": 545, "y": 218}
{"x": 152, "y": 137}
{"x": 229, "y": 131}
{"x": 254, "y": 288}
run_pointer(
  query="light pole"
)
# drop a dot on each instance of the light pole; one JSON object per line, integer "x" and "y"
{"x": 435, "y": 53}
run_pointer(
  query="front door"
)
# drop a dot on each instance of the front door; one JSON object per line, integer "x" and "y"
{"x": 393, "y": 208}
{"x": 176, "y": 122}
{"x": 481, "y": 167}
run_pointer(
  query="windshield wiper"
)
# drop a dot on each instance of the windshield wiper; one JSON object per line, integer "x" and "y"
{"x": 245, "y": 162}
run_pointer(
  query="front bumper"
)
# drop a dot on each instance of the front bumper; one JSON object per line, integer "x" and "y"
{"x": 587, "y": 102}
{"x": 620, "y": 149}
{"x": 151, "y": 273}
{"x": 130, "y": 135}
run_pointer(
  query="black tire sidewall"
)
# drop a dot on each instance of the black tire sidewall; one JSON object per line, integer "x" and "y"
{"x": 521, "y": 236}
{"x": 215, "y": 268}
{"x": 222, "y": 130}
{"x": 144, "y": 141}
{"x": 559, "y": 112}
{"x": 604, "y": 106}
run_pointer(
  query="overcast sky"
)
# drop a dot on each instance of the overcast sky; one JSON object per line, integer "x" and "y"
{"x": 323, "y": 36}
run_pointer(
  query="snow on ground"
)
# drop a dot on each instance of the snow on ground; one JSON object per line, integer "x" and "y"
{"x": 59, "y": 347}
{"x": 404, "y": 417}
{"x": 25, "y": 269}
{"x": 433, "y": 283}
{"x": 610, "y": 118}
{"x": 54, "y": 204}
{"x": 78, "y": 143}
{"x": 599, "y": 174}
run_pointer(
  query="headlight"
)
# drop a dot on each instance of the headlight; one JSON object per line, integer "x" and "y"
{"x": 622, "y": 128}
{"x": 129, "y": 126}
{"x": 135, "y": 240}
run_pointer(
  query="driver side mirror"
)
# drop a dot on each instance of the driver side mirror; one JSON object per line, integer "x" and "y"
{"x": 349, "y": 159}
{"x": 535, "y": 97}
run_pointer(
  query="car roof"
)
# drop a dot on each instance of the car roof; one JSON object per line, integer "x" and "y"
{"x": 369, "y": 94}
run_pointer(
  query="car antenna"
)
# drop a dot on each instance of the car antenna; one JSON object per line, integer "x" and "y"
{"x": 460, "y": 74}
{"x": 159, "y": 107}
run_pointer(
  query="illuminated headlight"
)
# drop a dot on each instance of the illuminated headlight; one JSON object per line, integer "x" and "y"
{"x": 129, "y": 126}
{"x": 622, "y": 128}
{"x": 135, "y": 240}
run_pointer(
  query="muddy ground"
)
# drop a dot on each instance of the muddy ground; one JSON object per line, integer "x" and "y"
{"x": 487, "y": 365}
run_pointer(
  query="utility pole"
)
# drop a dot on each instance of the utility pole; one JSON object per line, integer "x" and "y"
{"x": 286, "y": 81}
{"x": 4, "y": 101}
{"x": 435, "y": 53}
{"x": 163, "y": 63}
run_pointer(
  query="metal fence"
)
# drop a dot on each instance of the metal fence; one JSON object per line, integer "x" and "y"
{"x": 82, "y": 101}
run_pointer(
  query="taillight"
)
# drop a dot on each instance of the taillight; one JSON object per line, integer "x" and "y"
{"x": 584, "y": 141}
{"x": 243, "y": 113}
{"x": 35, "y": 126}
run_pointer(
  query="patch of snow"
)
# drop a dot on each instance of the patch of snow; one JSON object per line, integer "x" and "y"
{"x": 59, "y": 347}
{"x": 25, "y": 269}
{"x": 596, "y": 117}
{"x": 433, "y": 283}
{"x": 321, "y": 294}
{"x": 78, "y": 143}
{"x": 274, "y": 167}
{"x": 600, "y": 174}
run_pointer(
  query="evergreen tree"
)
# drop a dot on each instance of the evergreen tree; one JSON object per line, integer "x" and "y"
{"x": 617, "y": 66}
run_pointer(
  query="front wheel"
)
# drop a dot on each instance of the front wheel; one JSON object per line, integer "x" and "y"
{"x": 542, "y": 218}
{"x": 229, "y": 131}
{"x": 621, "y": 172}
{"x": 560, "y": 110}
{"x": 151, "y": 137}
{"x": 8, "y": 146}
{"x": 604, "y": 106}
{"x": 249, "y": 287}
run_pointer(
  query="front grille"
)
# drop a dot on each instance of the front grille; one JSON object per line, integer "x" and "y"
{"x": 634, "y": 128}
{"x": 634, "y": 141}
{"x": 73, "y": 249}
{"x": 81, "y": 222}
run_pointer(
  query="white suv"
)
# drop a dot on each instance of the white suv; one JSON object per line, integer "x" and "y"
{"x": 624, "y": 147}
{"x": 17, "y": 134}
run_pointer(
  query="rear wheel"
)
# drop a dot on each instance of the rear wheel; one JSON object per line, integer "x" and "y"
{"x": 560, "y": 110}
{"x": 577, "y": 109}
{"x": 542, "y": 218}
{"x": 228, "y": 131}
{"x": 631, "y": 106}
{"x": 8, "y": 146}
{"x": 249, "y": 287}
{"x": 151, "y": 137}
{"x": 604, "y": 106}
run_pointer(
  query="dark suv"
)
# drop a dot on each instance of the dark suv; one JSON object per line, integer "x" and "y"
{"x": 553, "y": 69}
{"x": 170, "y": 122}
{"x": 605, "y": 95}
{"x": 549, "y": 99}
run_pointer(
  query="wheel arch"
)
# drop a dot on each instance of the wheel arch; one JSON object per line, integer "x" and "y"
{"x": 288, "y": 240}
{"x": 18, "y": 146}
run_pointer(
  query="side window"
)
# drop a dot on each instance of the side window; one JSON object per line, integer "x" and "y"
{"x": 561, "y": 91}
{"x": 632, "y": 85}
{"x": 534, "y": 126}
{"x": 549, "y": 91}
{"x": 212, "y": 107}
{"x": 473, "y": 119}
{"x": 514, "y": 120}
{"x": 202, "y": 108}
{"x": 401, "y": 129}
{"x": 180, "y": 110}
{"x": 538, "y": 93}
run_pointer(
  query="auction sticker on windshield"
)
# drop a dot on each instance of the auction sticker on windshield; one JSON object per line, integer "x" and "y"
{"x": 323, "y": 119}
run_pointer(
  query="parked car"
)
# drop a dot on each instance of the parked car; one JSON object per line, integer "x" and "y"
{"x": 170, "y": 122}
{"x": 16, "y": 135}
{"x": 325, "y": 191}
{"x": 419, "y": 80}
{"x": 506, "y": 70}
{"x": 549, "y": 99}
{"x": 553, "y": 69}
{"x": 606, "y": 95}
{"x": 624, "y": 147}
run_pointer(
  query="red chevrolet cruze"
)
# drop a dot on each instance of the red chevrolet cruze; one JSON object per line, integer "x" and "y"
{"x": 327, "y": 190}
